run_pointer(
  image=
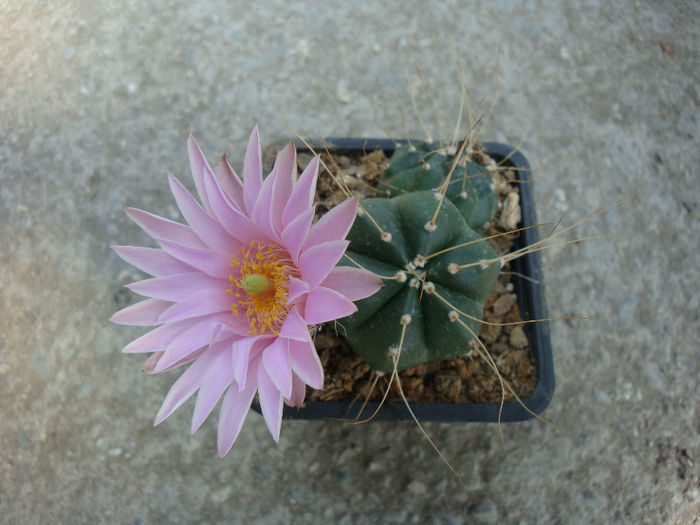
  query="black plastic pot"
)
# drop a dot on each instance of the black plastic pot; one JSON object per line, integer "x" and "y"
{"x": 530, "y": 292}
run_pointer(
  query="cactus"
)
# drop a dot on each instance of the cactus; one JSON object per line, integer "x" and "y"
{"x": 417, "y": 283}
{"x": 419, "y": 166}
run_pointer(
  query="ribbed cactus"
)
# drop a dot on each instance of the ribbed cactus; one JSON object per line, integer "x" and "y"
{"x": 424, "y": 166}
{"x": 417, "y": 278}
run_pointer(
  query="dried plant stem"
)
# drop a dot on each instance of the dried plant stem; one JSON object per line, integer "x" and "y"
{"x": 423, "y": 431}
{"x": 430, "y": 101}
{"x": 394, "y": 375}
{"x": 526, "y": 321}
{"x": 509, "y": 232}
{"x": 495, "y": 96}
{"x": 401, "y": 113}
{"x": 428, "y": 138}
{"x": 464, "y": 99}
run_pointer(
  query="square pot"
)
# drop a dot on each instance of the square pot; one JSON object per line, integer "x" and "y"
{"x": 529, "y": 290}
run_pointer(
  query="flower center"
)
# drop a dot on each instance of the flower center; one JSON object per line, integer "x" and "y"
{"x": 260, "y": 285}
{"x": 255, "y": 283}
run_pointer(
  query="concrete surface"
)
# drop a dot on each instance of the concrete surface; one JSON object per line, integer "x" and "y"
{"x": 96, "y": 102}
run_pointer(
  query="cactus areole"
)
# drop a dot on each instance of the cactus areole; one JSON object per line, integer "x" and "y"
{"x": 429, "y": 273}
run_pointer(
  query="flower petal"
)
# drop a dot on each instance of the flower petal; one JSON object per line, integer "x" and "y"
{"x": 145, "y": 313}
{"x": 302, "y": 196}
{"x": 234, "y": 221}
{"x": 297, "y": 288}
{"x": 206, "y": 228}
{"x": 244, "y": 352}
{"x": 199, "y": 167}
{"x": 285, "y": 170}
{"x": 252, "y": 171}
{"x": 261, "y": 214}
{"x": 188, "y": 341}
{"x": 153, "y": 361}
{"x": 164, "y": 229}
{"x": 271, "y": 403}
{"x": 295, "y": 327}
{"x": 317, "y": 261}
{"x": 214, "y": 263}
{"x": 306, "y": 363}
{"x": 186, "y": 384}
{"x": 203, "y": 303}
{"x": 234, "y": 408}
{"x": 296, "y": 231}
{"x": 229, "y": 182}
{"x": 298, "y": 392}
{"x": 275, "y": 360}
{"x": 153, "y": 261}
{"x": 158, "y": 338}
{"x": 334, "y": 225}
{"x": 212, "y": 389}
{"x": 353, "y": 283}
{"x": 324, "y": 304}
{"x": 177, "y": 287}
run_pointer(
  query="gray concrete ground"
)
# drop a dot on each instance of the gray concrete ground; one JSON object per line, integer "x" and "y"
{"x": 96, "y": 102}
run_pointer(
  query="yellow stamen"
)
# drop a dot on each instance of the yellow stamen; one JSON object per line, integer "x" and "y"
{"x": 260, "y": 280}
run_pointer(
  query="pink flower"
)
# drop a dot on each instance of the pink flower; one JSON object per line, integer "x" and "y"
{"x": 235, "y": 291}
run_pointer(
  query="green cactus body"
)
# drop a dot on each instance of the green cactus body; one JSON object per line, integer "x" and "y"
{"x": 375, "y": 329}
{"x": 421, "y": 166}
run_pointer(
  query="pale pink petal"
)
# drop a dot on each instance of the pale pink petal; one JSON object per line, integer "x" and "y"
{"x": 202, "y": 303}
{"x": 334, "y": 225}
{"x": 229, "y": 182}
{"x": 271, "y": 403}
{"x": 212, "y": 389}
{"x": 153, "y": 361}
{"x": 199, "y": 167}
{"x": 353, "y": 283}
{"x": 158, "y": 338}
{"x": 233, "y": 326}
{"x": 234, "y": 408}
{"x": 295, "y": 232}
{"x": 186, "y": 385}
{"x": 206, "y": 228}
{"x": 153, "y": 261}
{"x": 317, "y": 261}
{"x": 216, "y": 264}
{"x": 298, "y": 392}
{"x": 297, "y": 288}
{"x": 164, "y": 229}
{"x": 201, "y": 334}
{"x": 252, "y": 171}
{"x": 177, "y": 287}
{"x": 295, "y": 327}
{"x": 145, "y": 313}
{"x": 302, "y": 196}
{"x": 234, "y": 221}
{"x": 324, "y": 304}
{"x": 285, "y": 170}
{"x": 275, "y": 359}
{"x": 244, "y": 352}
{"x": 263, "y": 204}
{"x": 306, "y": 364}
